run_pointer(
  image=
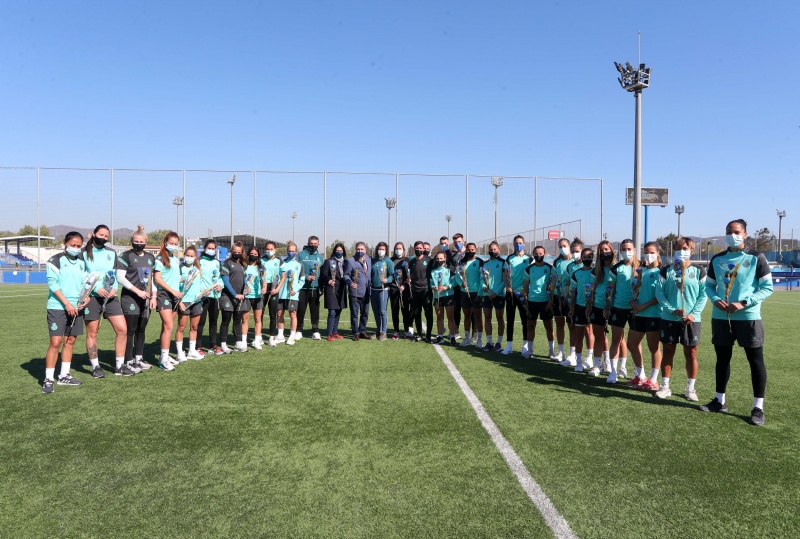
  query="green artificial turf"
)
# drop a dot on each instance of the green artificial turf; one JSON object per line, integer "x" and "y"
{"x": 370, "y": 439}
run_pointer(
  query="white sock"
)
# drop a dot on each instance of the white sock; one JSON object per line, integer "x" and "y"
{"x": 509, "y": 344}
{"x": 605, "y": 355}
{"x": 758, "y": 402}
{"x": 49, "y": 374}
{"x": 488, "y": 339}
{"x": 65, "y": 368}
{"x": 179, "y": 347}
{"x": 572, "y": 350}
{"x": 721, "y": 398}
{"x": 561, "y": 348}
{"x": 94, "y": 362}
{"x": 614, "y": 365}
{"x": 579, "y": 357}
{"x": 552, "y": 344}
{"x": 589, "y": 353}
{"x": 638, "y": 371}
{"x": 690, "y": 384}
{"x": 665, "y": 381}
{"x": 192, "y": 345}
{"x": 164, "y": 353}
{"x": 480, "y": 336}
{"x": 654, "y": 374}
{"x": 596, "y": 362}
{"x": 138, "y": 358}
{"x": 282, "y": 333}
{"x": 120, "y": 361}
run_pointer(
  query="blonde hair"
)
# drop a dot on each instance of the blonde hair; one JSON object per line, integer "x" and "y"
{"x": 139, "y": 232}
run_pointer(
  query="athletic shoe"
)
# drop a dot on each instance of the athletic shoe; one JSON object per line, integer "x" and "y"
{"x": 97, "y": 372}
{"x": 337, "y": 335}
{"x": 316, "y": 336}
{"x": 507, "y": 350}
{"x": 649, "y": 385}
{"x": 437, "y": 340}
{"x": 280, "y": 339}
{"x": 457, "y": 336}
{"x": 714, "y": 406}
{"x": 297, "y": 335}
{"x": 257, "y": 343}
{"x": 272, "y": 342}
{"x": 612, "y": 378}
{"x": 635, "y": 382}
{"x": 497, "y": 347}
{"x": 134, "y": 367}
{"x": 180, "y": 358}
{"x": 605, "y": 366}
{"x": 290, "y": 341}
{"x": 217, "y": 351}
{"x": 330, "y": 338}
{"x": 241, "y": 347}
{"x": 396, "y": 336}
{"x": 479, "y": 345}
{"x": 416, "y": 338}
{"x": 569, "y": 361}
{"x": 225, "y": 349}
{"x": 526, "y": 354}
{"x": 144, "y": 365}
{"x": 663, "y": 392}
{"x": 757, "y": 417}
{"x": 690, "y": 394}
{"x": 47, "y": 386}
{"x": 578, "y": 366}
{"x": 68, "y": 380}
{"x": 166, "y": 365}
{"x": 123, "y": 370}
{"x": 594, "y": 372}
{"x": 200, "y": 351}
{"x": 452, "y": 341}
{"x": 622, "y": 372}
{"x": 382, "y": 337}
{"x": 556, "y": 357}
{"x": 194, "y": 355}
{"x": 466, "y": 342}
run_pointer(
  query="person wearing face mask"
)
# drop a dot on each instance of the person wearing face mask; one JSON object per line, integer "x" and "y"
{"x": 399, "y": 299}
{"x": 312, "y": 261}
{"x": 455, "y": 256}
{"x": 357, "y": 271}
{"x": 560, "y": 264}
{"x": 210, "y": 277}
{"x": 167, "y": 276}
{"x": 493, "y": 296}
{"x": 620, "y": 314}
{"x": 189, "y": 309}
{"x": 576, "y": 247}
{"x": 681, "y": 294}
{"x": 331, "y": 276}
{"x": 738, "y": 281}
{"x": 470, "y": 280}
{"x": 600, "y": 306}
{"x": 426, "y": 249}
{"x": 538, "y": 295}
{"x": 232, "y": 302}
{"x": 98, "y": 258}
{"x": 514, "y": 272}
{"x": 441, "y": 283}
{"x": 382, "y": 276}
{"x": 292, "y": 278}
{"x": 65, "y": 276}
{"x": 272, "y": 271}
{"x": 419, "y": 269}
{"x": 138, "y": 297}
{"x": 580, "y": 290}
{"x": 646, "y": 319}
{"x": 254, "y": 280}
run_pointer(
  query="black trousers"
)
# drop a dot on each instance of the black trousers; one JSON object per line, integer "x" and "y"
{"x": 421, "y": 302}
{"x": 513, "y": 304}
{"x": 271, "y": 302}
{"x": 308, "y": 297}
{"x": 137, "y": 324}
{"x": 397, "y": 310}
{"x": 210, "y": 310}
{"x": 457, "y": 307}
{"x": 236, "y": 316}
{"x": 758, "y": 371}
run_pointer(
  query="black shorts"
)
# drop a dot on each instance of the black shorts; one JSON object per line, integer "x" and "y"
{"x": 193, "y": 310}
{"x": 257, "y": 304}
{"x": 645, "y": 324}
{"x": 93, "y": 310}
{"x": 579, "y": 317}
{"x": 59, "y": 323}
{"x": 673, "y": 332}
{"x": 748, "y": 333}
{"x": 227, "y": 303}
{"x": 499, "y": 302}
{"x": 619, "y": 317}
{"x": 470, "y": 301}
{"x": 598, "y": 316}
{"x": 131, "y": 305}
{"x": 444, "y": 301}
{"x": 165, "y": 301}
{"x": 558, "y": 306}
{"x": 287, "y": 305}
{"x": 538, "y": 309}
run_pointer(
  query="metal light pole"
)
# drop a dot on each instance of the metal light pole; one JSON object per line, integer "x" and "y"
{"x": 294, "y": 216}
{"x": 232, "y": 181}
{"x": 178, "y": 201}
{"x": 679, "y": 210}
{"x": 497, "y": 181}
{"x": 448, "y": 218}
{"x": 635, "y": 80}
{"x": 390, "y": 204}
{"x": 781, "y": 215}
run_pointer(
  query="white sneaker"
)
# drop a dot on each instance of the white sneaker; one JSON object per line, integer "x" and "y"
{"x": 273, "y": 342}
{"x": 612, "y": 378}
{"x": 595, "y": 372}
{"x": 279, "y": 339}
{"x": 569, "y": 361}
{"x": 316, "y": 336}
{"x": 225, "y": 349}
{"x": 526, "y": 354}
{"x": 181, "y": 358}
{"x": 458, "y": 336}
{"x": 297, "y": 335}
{"x": 606, "y": 366}
{"x": 588, "y": 365}
{"x": 622, "y": 372}
{"x": 134, "y": 367}
{"x": 558, "y": 356}
{"x": 193, "y": 354}
{"x": 691, "y": 394}
{"x": 290, "y": 341}
{"x": 258, "y": 343}
{"x": 508, "y": 349}
{"x": 479, "y": 344}
{"x": 241, "y": 347}
{"x": 166, "y": 364}
{"x": 466, "y": 342}
{"x": 578, "y": 366}
{"x": 663, "y": 392}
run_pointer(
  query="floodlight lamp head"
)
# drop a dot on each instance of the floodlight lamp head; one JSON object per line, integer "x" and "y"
{"x": 232, "y": 180}
{"x": 448, "y": 218}
{"x": 497, "y": 181}
{"x": 294, "y": 214}
{"x": 391, "y": 202}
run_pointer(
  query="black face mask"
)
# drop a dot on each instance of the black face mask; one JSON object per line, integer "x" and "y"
{"x": 494, "y": 255}
{"x": 311, "y": 249}
{"x": 587, "y": 262}
{"x": 469, "y": 256}
{"x": 606, "y": 256}
{"x": 253, "y": 258}
{"x": 236, "y": 256}
{"x": 439, "y": 263}
{"x": 138, "y": 247}
{"x": 418, "y": 252}
{"x": 99, "y": 241}
{"x": 427, "y": 252}
{"x": 538, "y": 258}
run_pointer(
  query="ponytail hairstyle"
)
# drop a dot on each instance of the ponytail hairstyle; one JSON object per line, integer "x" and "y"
{"x": 658, "y": 250}
{"x": 560, "y": 254}
{"x": 163, "y": 253}
{"x": 635, "y": 259}
{"x": 599, "y": 267}
{"x": 576, "y": 242}
{"x": 689, "y": 243}
{"x": 90, "y": 243}
{"x": 240, "y": 245}
{"x": 290, "y": 243}
{"x": 72, "y": 235}
{"x": 139, "y": 233}
{"x": 196, "y": 257}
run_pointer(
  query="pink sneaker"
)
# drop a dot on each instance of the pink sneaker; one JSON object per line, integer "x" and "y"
{"x": 636, "y": 382}
{"x": 649, "y": 385}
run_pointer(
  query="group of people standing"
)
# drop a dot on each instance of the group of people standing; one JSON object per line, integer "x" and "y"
{"x": 582, "y": 290}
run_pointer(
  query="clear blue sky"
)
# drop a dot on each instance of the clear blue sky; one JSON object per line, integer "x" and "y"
{"x": 503, "y": 88}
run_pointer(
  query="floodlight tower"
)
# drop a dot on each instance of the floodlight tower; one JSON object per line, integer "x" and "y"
{"x": 231, "y": 181}
{"x": 448, "y": 218}
{"x": 497, "y": 181}
{"x": 781, "y": 215}
{"x": 635, "y": 80}
{"x": 390, "y": 204}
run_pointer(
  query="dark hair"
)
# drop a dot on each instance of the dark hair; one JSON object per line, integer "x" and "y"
{"x": 444, "y": 238}
{"x": 518, "y": 236}
{"x": 563, "y": 239}
{"x": 587, "y": 250}
{"x": 269, "y": 242}
{"x": 658, "y": 250}
{"x": 192, "y": 248}
{"x": 418, "y": 242}
{"x": 90, "y": 243}
{"x": 71, "y": 235}
{"x": 163, "y": 253}
{"x": 401, "y": 244}
{"x": 313, "y": 238}
{"x": 208, "y": 242}
{"x": 344, "y": 251}
{"x": 258, "y": 253}
{"x": 494, "y": 243}
{"x": 470, "y": 243}
{"x": 381, "y": 244}
{"x": 598, "y": 269}
{"x": 576, "y": 242}
{"x": 741, "y": 222}
{"x": 540, "y": 247}
{"x": 458, "y": 235}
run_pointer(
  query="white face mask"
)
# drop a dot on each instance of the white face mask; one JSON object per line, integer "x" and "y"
{"x": 685, "y": 254}
{"x": 269, "y": 254}
{"x": 626, "y": 255}
{"x": 565, "y": 251}
{"x": 381, "y": 253}
{"x": 651, "y": 257}
{"x": 211, "y": 252}
{"x": 188, "y": 260}
{"x": 172, "y": 248}
{"x": 734, "y": 240}
{"x": 398, "y": 252}
{"x": 576, "y": 256}
{"x": 73, "y": 251}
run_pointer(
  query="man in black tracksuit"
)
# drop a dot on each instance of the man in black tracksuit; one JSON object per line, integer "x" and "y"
{"x": 419, "y": 271}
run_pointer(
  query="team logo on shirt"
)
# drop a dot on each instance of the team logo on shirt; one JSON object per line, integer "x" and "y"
{"x": 108, "y": 256}
{"x": 150, "y": 262}
{"x": 746, "y": 264}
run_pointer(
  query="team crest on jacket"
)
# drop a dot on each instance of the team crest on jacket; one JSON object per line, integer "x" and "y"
{"x": 746, "y": 263}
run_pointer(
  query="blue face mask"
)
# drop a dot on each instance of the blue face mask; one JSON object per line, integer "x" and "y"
{"x": 459, "y": 245}
{"x": 338, "y": 254}
{"x": 73, "y": 251}
{"x": 358, "y": 255}
{"x": 290, "y": 256}
{"x": 519, "y": 247}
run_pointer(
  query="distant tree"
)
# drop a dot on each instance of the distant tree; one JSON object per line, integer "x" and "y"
{"x": 667, "y": 243}
{"x": 329, "y": 248}
{"x": 30, "y": 230}
{"x": 765, "y": 240}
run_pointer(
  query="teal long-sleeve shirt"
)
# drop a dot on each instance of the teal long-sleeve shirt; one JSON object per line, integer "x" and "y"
{"x": 749, "y": 278}
{"x": 382, "y": 268}
{"x": 692, "y": 300}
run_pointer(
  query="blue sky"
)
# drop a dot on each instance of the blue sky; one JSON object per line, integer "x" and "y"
{"x": 503, "y": 88}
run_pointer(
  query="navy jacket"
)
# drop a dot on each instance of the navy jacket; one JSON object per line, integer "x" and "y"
{"x": 351, "y": 265}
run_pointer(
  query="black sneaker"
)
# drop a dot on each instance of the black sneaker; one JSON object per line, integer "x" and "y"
{"x": 124, "y": 370}
{"x": 47, "y": 386}
{"x": 97, "y": 372}
{"x": 437, "y": 340}
{"x": 757, "y": 417}
{"x": 453, "y": 341}
{"x": 68, "y": 380}
{"x": 417, "y": 338}
{"x": 714, "y": 406}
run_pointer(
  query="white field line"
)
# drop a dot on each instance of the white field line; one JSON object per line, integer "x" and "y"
{"x": 555, "y": 521}
{"x": 23, "y": 296}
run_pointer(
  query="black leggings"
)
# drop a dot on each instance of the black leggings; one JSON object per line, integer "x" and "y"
{"x": 271, "y": 303}
{"x": 137, "y": 325}
{"x": 512, "y": 304}
{"x": 237, "y": 325}
{"x": 394, "y": 302}
{"x": 308, "y": 298}
{"x": 421, "y": 301}
{"x": 758, "y": 371}
{"x": 210, "y": 308}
